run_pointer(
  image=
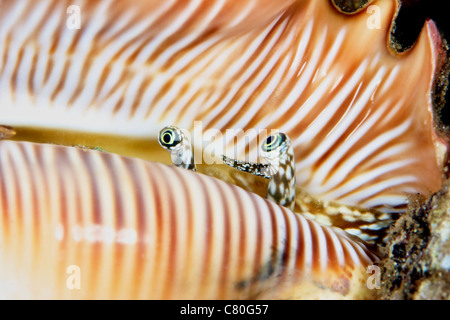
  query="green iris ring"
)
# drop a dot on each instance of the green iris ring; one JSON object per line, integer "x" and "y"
{"x": 273, "y": 142}
{"x": 170, "y": 135}
{"x": 169, "y": 138}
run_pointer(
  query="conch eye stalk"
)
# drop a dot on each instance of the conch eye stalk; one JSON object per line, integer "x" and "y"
{"x": 277, "y": 151}
{"x": 178, "y": 143}
{"x": 93, "y": 225}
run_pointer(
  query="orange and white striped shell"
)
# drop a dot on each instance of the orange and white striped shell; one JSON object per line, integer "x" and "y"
{"x": 134, "y": 229}
{"x": 359, "y": 116}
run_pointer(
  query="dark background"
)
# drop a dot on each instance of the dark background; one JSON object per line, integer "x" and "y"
{"x": 410, "y": 20}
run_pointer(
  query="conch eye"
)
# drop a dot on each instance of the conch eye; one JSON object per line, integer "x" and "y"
{"x": 273, "y": 141}
{"x": 169, "y": 137}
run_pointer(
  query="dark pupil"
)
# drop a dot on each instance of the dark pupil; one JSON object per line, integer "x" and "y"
{"x": 167, "y": 137}
{"x": 271, "y": 140}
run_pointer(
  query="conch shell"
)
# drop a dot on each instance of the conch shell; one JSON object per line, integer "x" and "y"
{"x": 359, "y": 115}
{"x": 84, "y": 224}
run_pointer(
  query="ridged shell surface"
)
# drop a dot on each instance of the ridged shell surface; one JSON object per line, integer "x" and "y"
{"x": 359, "y": 117}
{"x": 137, "y": 230}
